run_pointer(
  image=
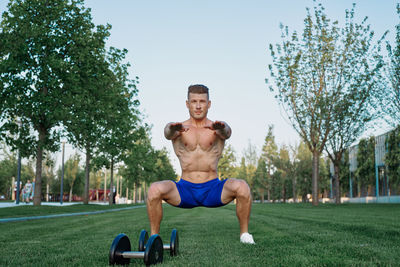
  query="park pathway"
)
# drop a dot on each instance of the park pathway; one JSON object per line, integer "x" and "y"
{"x": 16, "y": 219}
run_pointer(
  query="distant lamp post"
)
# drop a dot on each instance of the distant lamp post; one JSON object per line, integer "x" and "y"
{"x": 62, "y": 175}
{"x": 18, "y": 177}
{"x": 19, "y": 171}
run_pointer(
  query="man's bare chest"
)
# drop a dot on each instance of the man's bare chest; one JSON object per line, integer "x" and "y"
{"x": 203, "y": 139}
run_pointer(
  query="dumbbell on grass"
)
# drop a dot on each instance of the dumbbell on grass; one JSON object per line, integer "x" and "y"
{"x": 120, "y": 251}
{"x": 173, "y": 245}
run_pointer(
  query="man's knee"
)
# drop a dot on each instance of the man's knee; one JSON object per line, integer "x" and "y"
{"x": 243, "y": 189}
{"x": 240, "y": 188}
{"x": 160, "y": 191}
{"x": 155, "y": 192}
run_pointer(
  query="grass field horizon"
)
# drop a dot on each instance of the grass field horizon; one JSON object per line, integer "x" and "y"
{"x": 285, "y": 235}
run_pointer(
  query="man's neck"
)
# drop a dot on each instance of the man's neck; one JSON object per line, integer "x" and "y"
{"x": 198, "y": 123}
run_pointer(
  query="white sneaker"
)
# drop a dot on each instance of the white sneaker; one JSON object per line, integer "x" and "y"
{"x": 247, "y": 238}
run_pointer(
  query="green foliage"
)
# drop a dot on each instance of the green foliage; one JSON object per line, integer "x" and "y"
{"x": 269, "y": 154}
{"x": 325, "y": 80}
{"x": 260, "y": 178}
{"x": 281, "y": 178}
{"x": 248, "y": 165}
{"x": 324, "y": 176}
{"x": 120, "y": 126}
{"x": 144, "y": 164}
{"x": 359, "y": 66}
{"x": 40, "y": 44}
{"x": 392, "y": 157}
{"x": 242, "y": 170}
{"x": 303, "y": 170}
{"x": 73, "y": 176}
{"x": 390, "y": 93}
{"x": 226, "y": 164}
{"x": 8, "y": 169}
{"x": 35, "y": 66}
{"x": 365, "y": 172}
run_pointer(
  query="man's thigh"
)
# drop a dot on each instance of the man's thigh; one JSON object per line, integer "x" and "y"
{"x": 169, "y": 192}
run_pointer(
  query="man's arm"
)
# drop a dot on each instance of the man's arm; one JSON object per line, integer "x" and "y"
{"x": 174, "y": 129}
{"x": 222, "y": 129}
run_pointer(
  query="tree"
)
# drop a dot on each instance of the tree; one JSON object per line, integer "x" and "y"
{"x": 89, "y": 93}
{"x": 269, "y": 154}
{"x": 294, "y": 170}
{"x": 365, "y": 172}
{"x": 304, "y": 170}
{"x": 37, "y": 42}
{"x": 71, "y": 172}
{"x": 226, "y": 164}
{"x": 250, "y": 157}
{"x": 260, "y": 178}
{"x": 358, "y": 64}
{"x": 242, "y": 170}
{"x": 390, "y": 95}
{"x": 283, "y": 164}
{"x": 143, "y": 164}
{"x": 163, "y": 168}
{"x": 121, "y": 122}
{"x": 324, "y": 81}
{"x": 392, "y": 158}
{"x": 8, "y": 169}
{"x": 324, "y": 175}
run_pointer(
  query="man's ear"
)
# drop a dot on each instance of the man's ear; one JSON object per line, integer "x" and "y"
{"x": 187, "y": 103}
{"x": 209, "y": 103}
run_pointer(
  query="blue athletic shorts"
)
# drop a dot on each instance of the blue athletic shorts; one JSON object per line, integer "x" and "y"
{"x": 206, "y": 194}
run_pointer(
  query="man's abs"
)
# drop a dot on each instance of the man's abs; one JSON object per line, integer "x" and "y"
{"x": 198, "y": 166}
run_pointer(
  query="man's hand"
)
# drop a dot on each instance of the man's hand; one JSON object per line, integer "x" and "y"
{"x": 174, "y": 129}
{"x": 178, "y": 127}
{"x": 217, "y": 125}
{"x": 221, "y": 129}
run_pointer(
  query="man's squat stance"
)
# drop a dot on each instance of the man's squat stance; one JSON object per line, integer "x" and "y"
{"x": 198, "y": 142}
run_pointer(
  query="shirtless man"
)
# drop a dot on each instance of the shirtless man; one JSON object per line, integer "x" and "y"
{"x": 198, "y": 142}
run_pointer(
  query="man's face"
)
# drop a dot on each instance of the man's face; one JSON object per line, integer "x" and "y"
{"x": 198, "y": 105}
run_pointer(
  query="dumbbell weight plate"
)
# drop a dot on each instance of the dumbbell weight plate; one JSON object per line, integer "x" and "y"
{"x": 120, "y": 244}
{"x": 154, "y": 250}
{"x": 143, "y": 238}
{"x": 174, "y": 243}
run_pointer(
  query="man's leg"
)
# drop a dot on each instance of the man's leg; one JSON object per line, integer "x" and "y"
{"x": 159, "y": 191}
{"x": 236, "y": 188}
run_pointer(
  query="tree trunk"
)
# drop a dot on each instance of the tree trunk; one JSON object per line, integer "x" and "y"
{"x": 269, "y": 188}
{"x": 70, "y": 195}
{"x": 110, "y": 201}
{"x": 144, "y": 192}
{"x": 262, "y": 194}
{"x": 284, "y": 193}
{"x": 37, "y": 198}
{"x": 315, "y": 174}
{"x": 134, "y": 193}
{"x": 337, "y": 183}
{"x": 87, "y": 177}
{"x": 294, "y": 190}
{"x": 304, "y": 198}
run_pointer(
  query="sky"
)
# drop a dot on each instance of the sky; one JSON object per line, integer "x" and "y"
{"x": 222, "y": 44}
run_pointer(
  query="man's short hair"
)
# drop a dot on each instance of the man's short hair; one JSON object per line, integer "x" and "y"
{"x": 198, "y": 89}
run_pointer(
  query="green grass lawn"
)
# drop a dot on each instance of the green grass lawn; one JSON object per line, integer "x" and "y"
{"x": 286, "y": 235}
